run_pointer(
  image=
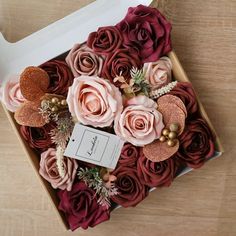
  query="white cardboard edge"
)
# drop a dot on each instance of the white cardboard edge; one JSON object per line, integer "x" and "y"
{"x": 60, "y": 36}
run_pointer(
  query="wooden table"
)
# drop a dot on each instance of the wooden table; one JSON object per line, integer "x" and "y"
{"x": 202, "y": 202}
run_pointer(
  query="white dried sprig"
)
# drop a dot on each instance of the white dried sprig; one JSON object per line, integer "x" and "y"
{"x": 159, "y": 92}
{"x": 59, "y": 162}
{"x": 61, "y": 134}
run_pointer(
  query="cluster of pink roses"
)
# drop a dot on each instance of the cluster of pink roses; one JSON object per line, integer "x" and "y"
{"x": 142, "y": 36}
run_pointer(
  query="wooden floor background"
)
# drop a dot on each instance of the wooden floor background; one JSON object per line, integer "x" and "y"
{"x": 200, "y": 203}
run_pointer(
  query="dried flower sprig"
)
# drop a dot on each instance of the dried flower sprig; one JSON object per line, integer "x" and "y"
{"x": 137, "y": 84}
{"x": 59, "y": 162}
{"x": 138, "y": 76}
{"x": 51, "y": 107}
{"x": 64, "y": 127}
{"x": 92, "y": 179}
{"x": 159, "y": 92}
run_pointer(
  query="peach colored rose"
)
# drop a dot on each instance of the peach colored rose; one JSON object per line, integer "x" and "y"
{"x": 140, "y": 123}
{"x": 158, "y": 73}
{"x": 11, "y": 95}
{"x": 83, "y": 61}
{"x": 94, "y": 101}
{"x": 48, "y": 170}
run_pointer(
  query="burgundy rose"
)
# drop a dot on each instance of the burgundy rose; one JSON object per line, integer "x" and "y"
{"x": 129, "y": 155}
{"x": 147, "y": 30}
{"x": 81, "y": 208}
{"x": 60, "y": 75}
{"x": 156, "y": 174}
{"x": 120, "y": 63}
{"x": 131, "y": 190}
{"x": 185, "y": 92}
{"x": 38, "y": 138}
{"x": 105, "y": 40}
{"x": 196, "y": 143}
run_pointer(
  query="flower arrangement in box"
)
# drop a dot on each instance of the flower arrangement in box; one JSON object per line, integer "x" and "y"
{"x": 119, "y": 81}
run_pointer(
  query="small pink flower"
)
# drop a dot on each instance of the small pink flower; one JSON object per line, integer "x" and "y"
{"x": 158, "y": 73}
{"x": 83, "y": 61}
{"x": 11, "y": 95}
{"x": 94, "y": 101}
{"x": 49, "y": 170}
{"x": 140, "y": 123}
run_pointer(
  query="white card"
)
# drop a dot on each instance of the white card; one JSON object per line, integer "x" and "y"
{"x": 94, "y": 146}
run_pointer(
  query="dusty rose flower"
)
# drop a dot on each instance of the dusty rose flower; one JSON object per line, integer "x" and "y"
{"x": 94, "y": 101}
{"x": 120, "y": 63}
{"x": 83, "y": 61}
{"x": 129, "y": 155}
{"x": 196, "y": 143}
{"x": 140, "y": 123}
{"x": 49, "y": 170}
{"x": 158, "y": 73}
{"x": 60, "y": 76}
{"x": 81, "y": 208}
{"x": 11, "y": 95}
{"x": 147, "y": 30}
{"x": 106, "y": 40}
{"x": 155, "y": 174}
{"x": 131, "y": 190}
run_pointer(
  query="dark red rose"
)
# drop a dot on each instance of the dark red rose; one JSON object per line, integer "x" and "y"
{"x": 38, "y": 138}
{"x": 129, "y": 155}
{"x": 81, "y": 208}
{"x": 131, "y": 191}
{"x": 105, "y": 40}
{"x": 196, "y": 143}
{"x": 60, "y": 75}
{"x": 185, "y": 92}
{"x": 156, "y": 174}
{"x": 147, "y": 30}
{"x": 120, "y": 63}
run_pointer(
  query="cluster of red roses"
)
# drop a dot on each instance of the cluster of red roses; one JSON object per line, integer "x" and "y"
{"x": 142, "y": 36}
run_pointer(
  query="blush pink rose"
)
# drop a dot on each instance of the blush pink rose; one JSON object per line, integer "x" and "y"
{"x": 83, "y": 61}
{"x": 94, "y": 101}
{"x": 140, "y": 123}
{"x": 11, "y": 95}
{"x": 158, "y": 73}
{"x": 49, "y": 170}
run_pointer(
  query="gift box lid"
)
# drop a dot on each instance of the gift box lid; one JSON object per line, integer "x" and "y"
{"x": 61, "y": 35}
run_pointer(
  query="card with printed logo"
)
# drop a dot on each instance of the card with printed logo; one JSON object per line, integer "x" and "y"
{"x": 94, "y": 146}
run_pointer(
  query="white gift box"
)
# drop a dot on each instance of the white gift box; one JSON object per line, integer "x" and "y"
{"x": 57, "y": 39}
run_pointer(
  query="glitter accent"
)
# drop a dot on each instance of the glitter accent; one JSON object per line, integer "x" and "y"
{"x": 28, "y": 115}
{"x": 158, "y": 151}
{"x": 173, "y": 111}
{"x": 33, "y": 83}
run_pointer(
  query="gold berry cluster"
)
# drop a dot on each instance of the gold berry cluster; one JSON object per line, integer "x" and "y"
{"x": 55, "y": 104}
{"x": 170, "y": 135}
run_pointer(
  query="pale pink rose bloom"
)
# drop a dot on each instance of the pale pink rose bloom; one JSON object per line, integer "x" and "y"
{"x": 11, "y": 95}
{"x": 140, "y": 123}
{"x": 83, "y": 61}
{"x": 158, "y": 73}
{"x": 94, "y": 101}
{"x": 49, "y": 170}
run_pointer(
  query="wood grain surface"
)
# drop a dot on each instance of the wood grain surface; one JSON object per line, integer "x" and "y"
{"x": 202, "y": 202}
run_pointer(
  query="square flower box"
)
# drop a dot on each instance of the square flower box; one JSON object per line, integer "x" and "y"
{"x": 58, "y": 38}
